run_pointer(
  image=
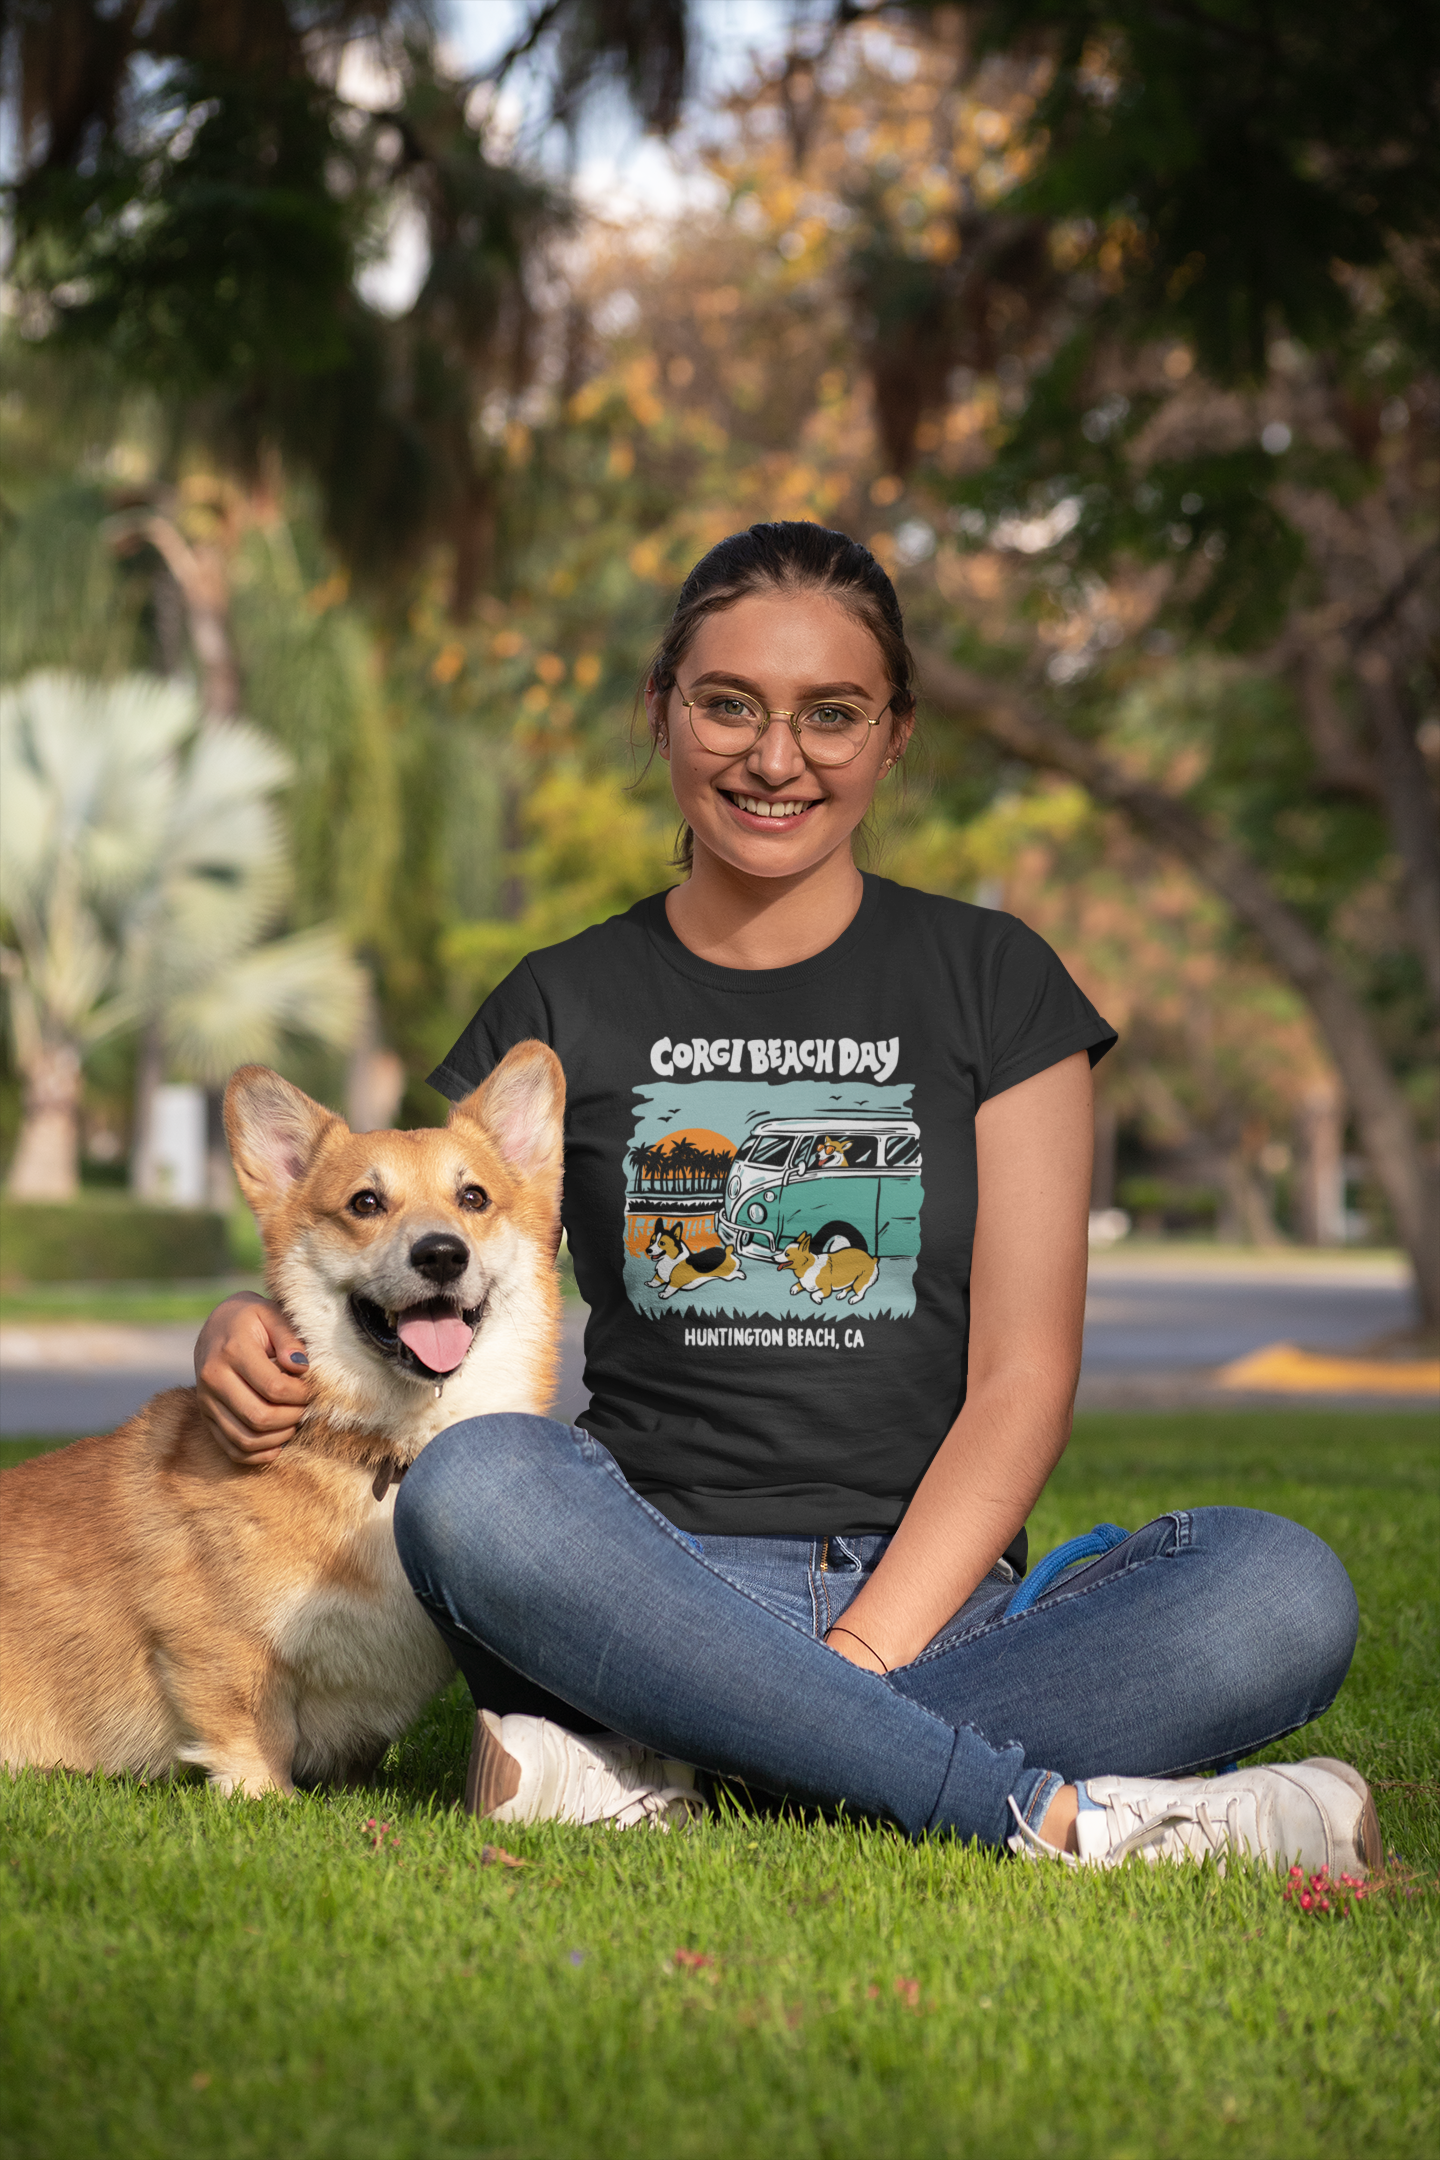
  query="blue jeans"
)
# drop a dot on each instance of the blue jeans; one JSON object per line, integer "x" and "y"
{"x": 1203, "y": 1637}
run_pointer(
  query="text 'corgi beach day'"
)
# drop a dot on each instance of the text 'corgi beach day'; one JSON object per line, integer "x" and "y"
{"x": 774, "y": 1054}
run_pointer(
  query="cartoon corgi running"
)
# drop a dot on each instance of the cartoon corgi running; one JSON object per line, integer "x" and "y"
{"x": 677, "y": 1268}
{"x": 833, "y": 1154}
{"x": 846, "y": 1273}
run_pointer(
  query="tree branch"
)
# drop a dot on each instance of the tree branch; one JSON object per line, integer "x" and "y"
{"x": 1405, "y": 791}
{"x": 1369, "y": 626}
{"x": 203, "y": 580}
{"x": 1341, "y": 767}
{"x": 535, "y": 29}
{"x": 1387, "y": 1127}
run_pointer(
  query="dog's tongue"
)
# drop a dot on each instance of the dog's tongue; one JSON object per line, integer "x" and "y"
{"x": 440, "y": 1344}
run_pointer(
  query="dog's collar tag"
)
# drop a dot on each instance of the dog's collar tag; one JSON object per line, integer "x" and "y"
{"x": 389, "y": 1473}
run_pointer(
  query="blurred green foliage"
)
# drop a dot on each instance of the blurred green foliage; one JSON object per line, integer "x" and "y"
{"x": 1110, "y": 330}
{"x": 1253, "y": 148}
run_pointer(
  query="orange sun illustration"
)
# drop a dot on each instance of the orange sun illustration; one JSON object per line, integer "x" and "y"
{"x": 700, "y": 1136}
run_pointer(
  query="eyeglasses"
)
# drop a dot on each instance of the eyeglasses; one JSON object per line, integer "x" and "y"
{"x": 829, "y": 732}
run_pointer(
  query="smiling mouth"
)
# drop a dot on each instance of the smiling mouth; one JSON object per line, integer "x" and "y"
{"x": 430, "y": 1340}
{"x": 770, "y": 807}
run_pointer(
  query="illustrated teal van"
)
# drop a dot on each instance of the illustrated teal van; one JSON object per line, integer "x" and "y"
{"x": 845, "y": 1180}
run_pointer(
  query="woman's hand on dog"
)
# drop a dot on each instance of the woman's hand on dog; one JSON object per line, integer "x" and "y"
{"x": 250, "y": 1377}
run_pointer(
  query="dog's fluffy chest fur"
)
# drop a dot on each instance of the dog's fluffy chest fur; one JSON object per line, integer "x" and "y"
{"x": 362, "y": 1654}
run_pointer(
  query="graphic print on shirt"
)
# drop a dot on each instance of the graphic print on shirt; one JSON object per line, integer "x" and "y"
{"x": 744, "y": 1201}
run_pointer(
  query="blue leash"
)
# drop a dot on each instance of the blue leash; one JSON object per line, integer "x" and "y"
{"x": 1102, "y": 1539}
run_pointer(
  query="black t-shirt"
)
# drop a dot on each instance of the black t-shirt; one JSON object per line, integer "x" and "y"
{"x": 770, "y": 1192}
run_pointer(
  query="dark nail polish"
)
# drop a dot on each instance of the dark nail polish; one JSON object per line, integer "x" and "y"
{"x": 298, "y": 1357}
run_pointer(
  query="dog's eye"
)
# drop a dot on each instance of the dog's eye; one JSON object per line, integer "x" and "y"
{"x": 367, "y": 1203}
{"x": 474, "y": 1197}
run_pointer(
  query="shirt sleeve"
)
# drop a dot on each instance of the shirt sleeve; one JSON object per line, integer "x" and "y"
{"x": 1038, "y": 1013}
{"x": 515, "y": 1012}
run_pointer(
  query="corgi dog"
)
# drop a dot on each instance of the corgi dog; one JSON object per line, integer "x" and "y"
{"x": 677, "y": 1268}
{"x": 160, "y": 1604}
{"x": 833, "y": 1154}
{"x": 845, "y": 1274}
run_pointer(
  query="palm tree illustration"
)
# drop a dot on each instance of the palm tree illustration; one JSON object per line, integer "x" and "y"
{"x": 675, "y": 1169}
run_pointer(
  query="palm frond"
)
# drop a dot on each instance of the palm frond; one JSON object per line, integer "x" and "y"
{"x": 142, "y": 860}
{"x": 88, "y": 773}
{"x": 302, "y": 985}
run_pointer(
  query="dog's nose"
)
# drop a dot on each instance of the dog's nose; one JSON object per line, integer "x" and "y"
{"x": 440, "y": 1255}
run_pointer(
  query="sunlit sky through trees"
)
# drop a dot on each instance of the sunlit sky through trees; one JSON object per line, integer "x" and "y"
{"x": 620, "y": 174}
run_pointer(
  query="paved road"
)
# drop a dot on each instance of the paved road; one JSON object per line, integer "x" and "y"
{"x": 1156, "y": 1327}
{"x": 1139, "y": 1318}
{"x": 78, "y": 1379}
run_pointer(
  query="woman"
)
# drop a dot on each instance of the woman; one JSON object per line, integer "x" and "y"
{"x": 827, "y": 1178}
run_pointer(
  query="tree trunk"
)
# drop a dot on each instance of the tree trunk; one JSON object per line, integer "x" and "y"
{"x": 46, "y": 1165}
{"x": 1387, "y": 1128}
{"x": 1320, "y": 1168}
{"x": 220, "y": 1188}
{"x": 149, "y": 1073}
{"x": 473, "y": 529}
{"x": 1410, "y": 806}
{"x": 375, "y": 1079}
{"x": 203, "y": 576}
{"x": 1246, "y": 1209}
{"x": 169, "y": 605}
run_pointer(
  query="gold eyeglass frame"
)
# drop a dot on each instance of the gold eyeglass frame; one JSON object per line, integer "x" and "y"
{"x": 792, "y": 720}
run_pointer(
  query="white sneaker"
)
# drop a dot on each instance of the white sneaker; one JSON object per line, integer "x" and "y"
{"x": 1319, "y": 1813}
{"x": 526, "y": 1770}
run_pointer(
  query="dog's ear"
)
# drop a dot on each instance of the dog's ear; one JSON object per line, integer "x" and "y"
{"x": 273, "y": 1132}
{"x": 521, "y": 1109}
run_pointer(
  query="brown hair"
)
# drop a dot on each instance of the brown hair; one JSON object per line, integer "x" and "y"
{"x": 788, "y": 556}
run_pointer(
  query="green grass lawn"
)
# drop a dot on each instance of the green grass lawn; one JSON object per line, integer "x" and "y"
{"x": 262, "y": 1978}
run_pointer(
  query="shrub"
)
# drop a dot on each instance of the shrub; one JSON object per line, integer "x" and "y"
{"x": 105, "y": 1239}
{"x": 1160, "y": 1204}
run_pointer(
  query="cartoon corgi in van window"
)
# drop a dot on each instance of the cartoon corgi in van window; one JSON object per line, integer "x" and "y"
{"x": 840, "y": 1181}
{"x": 845, "y": 1273}
{"x": 677, "y": 1268}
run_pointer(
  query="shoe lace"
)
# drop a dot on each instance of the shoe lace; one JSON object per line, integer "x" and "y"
{"x": 1218, "y": 1837}
{"x": 659, "y": 1806}
{"x": 620, "y": 1783}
